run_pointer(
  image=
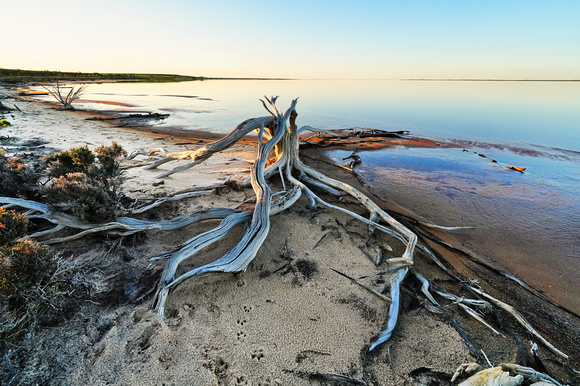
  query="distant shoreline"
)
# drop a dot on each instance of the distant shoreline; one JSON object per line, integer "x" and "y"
{"x": 18, "y": 76}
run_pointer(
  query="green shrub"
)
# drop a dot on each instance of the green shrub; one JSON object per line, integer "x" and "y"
{"x": 76, "y": 160}
{"x": 86, "y": 186}
{"x": 108, "y": 172}
{"x": 16, "y": 180}
{"x": 23, "y": 265}
{"x": 12, "y": 226}
{"x": 82, "y": 197}
{"x": 108, "y": 157}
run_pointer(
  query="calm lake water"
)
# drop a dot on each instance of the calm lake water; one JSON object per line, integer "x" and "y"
{"x": 535, "y": 125}
{"x": 538, "y": 113}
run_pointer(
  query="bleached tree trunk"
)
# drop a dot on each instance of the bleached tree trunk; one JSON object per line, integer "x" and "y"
{"x": 281, "y": 134}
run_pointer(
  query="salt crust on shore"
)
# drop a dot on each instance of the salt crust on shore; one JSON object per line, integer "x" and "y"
{"x": 257, "y": 328}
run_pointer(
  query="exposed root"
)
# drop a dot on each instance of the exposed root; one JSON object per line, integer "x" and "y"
{"x": 200, "y": 155}
{"x": 279, "y": 133}
{"x": 520, "y": 319}
{"x": 298, "y": 178}
{"x": 122, "y": 226}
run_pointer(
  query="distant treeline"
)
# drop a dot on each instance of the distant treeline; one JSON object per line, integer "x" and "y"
{"x": 15, "y": 76}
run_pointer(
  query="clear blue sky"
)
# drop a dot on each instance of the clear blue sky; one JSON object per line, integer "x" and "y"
{"x": 297, "y": 39}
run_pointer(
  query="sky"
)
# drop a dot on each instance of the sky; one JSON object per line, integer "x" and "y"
{"x": 308, "y": 39}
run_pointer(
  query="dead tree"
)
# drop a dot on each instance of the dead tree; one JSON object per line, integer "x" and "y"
{"x": 278, "y": 132}
{"x": 66, "y": 99}
{"x": 297, "y": 178}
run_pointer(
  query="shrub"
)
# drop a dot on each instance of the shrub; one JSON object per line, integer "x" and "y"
{"x": 79, "y": 195}
{"x": 83, "y": 187}
{"x": 12, "y": 226}
{"x": 16, "y": 180}
{"x": 23, "y": 265}
{"x": 76, "y": 160}
{"x": 108, "y": 157}
{"x": 65, "y": 99}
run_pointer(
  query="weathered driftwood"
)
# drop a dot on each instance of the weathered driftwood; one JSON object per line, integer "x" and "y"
{"x": 65, "y": 99}
{"x": 176, "y": 196}
{"x": 520, "y": 319}
{"x": 298, "y": 178}
{"x": 332, "y": 136}
{"x": 506, "y": 374}
{"x": 122, "y": 226}
{"x": 277, "y": 133}
{"x": 486, "y": 305}
{"x": 198, "y": 156}
{"x": 284, "y": 139}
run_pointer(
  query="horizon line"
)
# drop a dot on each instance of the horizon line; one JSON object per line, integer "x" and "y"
{"x": 400, "y": 79}
{"x": 201, "y": 77}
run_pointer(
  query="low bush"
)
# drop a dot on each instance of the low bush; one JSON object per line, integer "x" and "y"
{"x": 84, "y": 183}
{"x": 108, "y": 157}
{"x": 76, "y": 160}
{"x": 12, "y": 226}
{"x": 86, "y": 186}
{"x": 16, "y": 179}
{"x": 23, "y": 265}
{"x": 80, "y": 196}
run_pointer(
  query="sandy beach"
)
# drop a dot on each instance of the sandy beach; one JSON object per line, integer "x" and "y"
{"x": 290, "y": 319}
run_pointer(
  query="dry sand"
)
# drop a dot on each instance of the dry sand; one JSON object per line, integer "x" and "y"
{"x": 288, "y": 320}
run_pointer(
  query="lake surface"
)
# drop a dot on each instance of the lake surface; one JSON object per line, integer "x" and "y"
{"x": 527, "y": 222}
{"x": 537, "y": 113}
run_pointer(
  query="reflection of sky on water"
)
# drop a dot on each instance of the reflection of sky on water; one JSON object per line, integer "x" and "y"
{"x": 540, "y": 113}
{"x": 545, "y": 181}
{"x": 536, "y": 213}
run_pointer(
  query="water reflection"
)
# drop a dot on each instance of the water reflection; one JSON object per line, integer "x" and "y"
{"x": 540, "y": 113}
{"x": 526, "y": 222}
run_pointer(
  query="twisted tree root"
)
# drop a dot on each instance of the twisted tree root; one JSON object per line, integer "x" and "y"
{"x": 297, "y": 177}
{"x": 281, "y": 133}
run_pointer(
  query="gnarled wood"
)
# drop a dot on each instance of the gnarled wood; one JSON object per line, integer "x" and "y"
{"x": 281, "y": 134}
{"x": 200, "y": 155}
{"x": 297, "y": 177}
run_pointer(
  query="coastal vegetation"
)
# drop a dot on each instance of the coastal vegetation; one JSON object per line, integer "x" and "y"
{"x": 16, "y": 179}
{"x": 76, "y": 182}
{"x": 84, "y": 185}
{"x": 24, "y": 263}
{"x": 19, "y": 76}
